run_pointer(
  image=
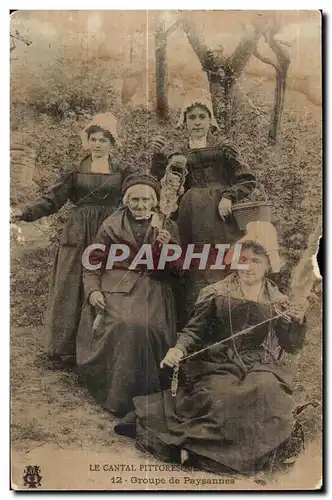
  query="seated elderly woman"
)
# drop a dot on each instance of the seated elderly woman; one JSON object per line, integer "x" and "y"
{"x": 233, "y": 406}
{"x": 120, "y": 358}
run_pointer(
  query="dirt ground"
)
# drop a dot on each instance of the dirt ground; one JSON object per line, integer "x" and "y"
{"x": 56, "y": 424}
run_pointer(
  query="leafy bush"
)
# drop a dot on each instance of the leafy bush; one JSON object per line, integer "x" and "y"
{"x": 63, "y": 88}
{"x": 30, "y": 280}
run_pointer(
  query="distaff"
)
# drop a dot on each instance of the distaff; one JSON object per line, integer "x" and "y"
{"x": 172, "y": 185}
{"x": 263, "y": 238}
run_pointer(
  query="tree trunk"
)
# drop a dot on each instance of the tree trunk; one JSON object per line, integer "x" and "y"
{"x": 233, "y": 101}
{"x": 279, "y": 97}
{"x": 161, "y": 75}
{"x": 217, "y": 91}
{"x": 281, "y": 66}
{"x": 283, "y": 62}
{"x": 222, "y": 95}
{"x": 223, "y": 72}
{"x": 229, "y": 98}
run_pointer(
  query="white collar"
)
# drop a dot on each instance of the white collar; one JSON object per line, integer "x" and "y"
{"x": 145, "y": 217}
{"x": 197, "y": 143}
{"x": 100, "y": 165}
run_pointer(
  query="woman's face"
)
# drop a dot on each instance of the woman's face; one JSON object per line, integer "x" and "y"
{"x": 258, "y": 266}
{"x": 99, "y": 145}
{"x": 140, "y": 200}
{"x": 198, "y": 122}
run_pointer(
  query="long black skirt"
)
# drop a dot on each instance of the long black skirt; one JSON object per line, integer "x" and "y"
{"x": 120, "y": 360}
{"x": 227, "y": 420}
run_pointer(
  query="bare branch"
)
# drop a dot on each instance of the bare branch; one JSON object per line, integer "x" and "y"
{"x": 281, "y": 76}
{"x": 244, "y": 50}
{"x": 163, "y": 33}
{"x": 17, "y": 36}
{"x": 195, "y": 41}
{"x": 287, "y": 44}
{"x": 172, "y": 28}
{"x": 264, "y": 59}
{"x": 205, "y": 55}
{"x": 222, "y": 72}
{"x": 274, "y": 25}
{"x": 281, "y": 53}
{"x": 248, "y": 44}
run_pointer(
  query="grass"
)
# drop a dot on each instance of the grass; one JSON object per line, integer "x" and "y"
{"x": 60, "y": 402}
{"x": 54, "y": 415}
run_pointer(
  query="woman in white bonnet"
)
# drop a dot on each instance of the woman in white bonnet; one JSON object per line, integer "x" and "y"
{"x": 95, "y": 190}
{"x": 133, "y": 304}
{"x": 233, "y": 410}
{"x": 216, "y": 180}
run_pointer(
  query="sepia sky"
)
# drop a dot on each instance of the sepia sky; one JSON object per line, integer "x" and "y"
{"x": 107, "y": 35}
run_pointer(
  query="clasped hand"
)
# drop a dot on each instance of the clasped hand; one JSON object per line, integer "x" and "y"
{"x": 225, "y": 208}
{"x": 172, "y": 358}
{"x": 163, "y": 236}
{"x": 159, "y": 143}
{"x": 15, "y": 215}
{"x": 96, "y": 299}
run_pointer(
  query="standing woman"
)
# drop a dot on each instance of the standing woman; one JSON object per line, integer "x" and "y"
{"x": 95, "y": 190}
{"x": 216, "y": 180}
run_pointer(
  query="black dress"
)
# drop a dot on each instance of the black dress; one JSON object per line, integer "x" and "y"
{"x": 234, "y": 405}
{"x": 213, "y": 173}
{"x": 95, "y": 197}
{"x": 121, "y": 358}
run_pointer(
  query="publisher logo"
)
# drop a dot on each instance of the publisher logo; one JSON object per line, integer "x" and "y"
{"x": 32, "y": 476}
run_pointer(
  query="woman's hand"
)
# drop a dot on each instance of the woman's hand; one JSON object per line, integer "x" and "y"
{"x": 172, "y": 358}
{"x": 163, "y": 236}
{"x": 15, "y": 215}
{"x": 96, "y": 299}
{"x": 173, "y": 180}
{"x": 225, "y": 208}
{"x": 178, "y": 161}
{"x": 159, "y": 143}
